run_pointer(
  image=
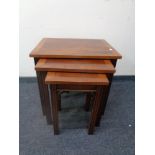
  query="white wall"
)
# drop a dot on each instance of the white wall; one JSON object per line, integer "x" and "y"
{"x": 112, "y": 20}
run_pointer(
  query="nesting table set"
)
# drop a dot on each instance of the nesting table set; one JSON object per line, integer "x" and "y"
{"x": 85, "y": 65}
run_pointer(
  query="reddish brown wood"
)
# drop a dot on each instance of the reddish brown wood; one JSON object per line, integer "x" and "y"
{"x": 40, "y": 89}
{"x": 105, "y": 96}
{"x": 54, "y": 99}
{"x": 46, "y": 98}
{"x": 74, "y": 48}
{"x": 44, "y": 94}
{"x": 105, "y": 99}
{"x": 76, "y": 78}
{"x": 95, "y": 110}
{"x": 75, "y": 65}
{"x": 56, "y": 85}
{"x": 102, "y": 106}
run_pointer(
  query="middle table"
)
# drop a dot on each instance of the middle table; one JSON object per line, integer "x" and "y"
{"x": 76, "y": 66}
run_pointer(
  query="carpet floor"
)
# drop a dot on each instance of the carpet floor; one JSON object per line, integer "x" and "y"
{"x": 115, "y": 136}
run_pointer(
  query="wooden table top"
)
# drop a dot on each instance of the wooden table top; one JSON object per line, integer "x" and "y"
{"x": 75, "y": 65}
{"x": 74, "y": 48}
{"x": 76, "y": 78}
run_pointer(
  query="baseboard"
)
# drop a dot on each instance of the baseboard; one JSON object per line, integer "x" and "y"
{"x": 115, "y": 78}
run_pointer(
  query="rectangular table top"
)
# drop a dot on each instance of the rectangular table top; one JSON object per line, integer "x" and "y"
{"x": 76, "y": 78}
{"x": 74, "y": 48}
{"x": 75, "y": 65}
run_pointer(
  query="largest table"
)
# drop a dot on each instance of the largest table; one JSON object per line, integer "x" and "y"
{"x": 71, "y": 49}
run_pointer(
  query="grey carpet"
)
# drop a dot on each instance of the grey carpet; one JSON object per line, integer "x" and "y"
{"x": 115, "y": 136}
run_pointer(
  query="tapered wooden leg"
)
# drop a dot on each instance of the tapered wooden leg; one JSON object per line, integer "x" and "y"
{"x": 46, "y": 98}
{"x": 40, "y": 89}
{"x": 99, "y": 114}
{"x": 110, "y": 76}
{"x": 44, "y": 94}
{"x": 95, "y": 110}
{"x": 54, "y": 99}
{"x": 105, "y": 99}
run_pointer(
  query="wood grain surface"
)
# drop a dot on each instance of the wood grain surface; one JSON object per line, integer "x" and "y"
{"x": 74, "y": 48}
{"x": 75, "y": 65}
{"x": 76, "y": 78}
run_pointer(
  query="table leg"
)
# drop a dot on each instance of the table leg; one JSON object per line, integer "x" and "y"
{"x": 44, "y": 95}
{"x": 47, "y": 98}
{"x": 95, "y": 109}
{"x": 40, "y": 89}
{"x": 110, "y": 76}
{"x": 105, "y": 96}
{"x": 54, "y": 99}
{"x": 99, "y": 114}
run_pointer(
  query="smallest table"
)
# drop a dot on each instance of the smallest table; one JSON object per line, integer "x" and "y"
{"x": 86, "y": 82}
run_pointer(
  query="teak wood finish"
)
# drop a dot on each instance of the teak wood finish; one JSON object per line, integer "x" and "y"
{"x": 105, "y": 96}
{"x": 54, "y": 79}
{"x": 71, "y": 49}
{"x": 44, "y": 94}
{"x": 55, "y": 108}
{"x": 74, "y": 48}
{"x": 75, "y": 65}
{"x": 76, "y": 78}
